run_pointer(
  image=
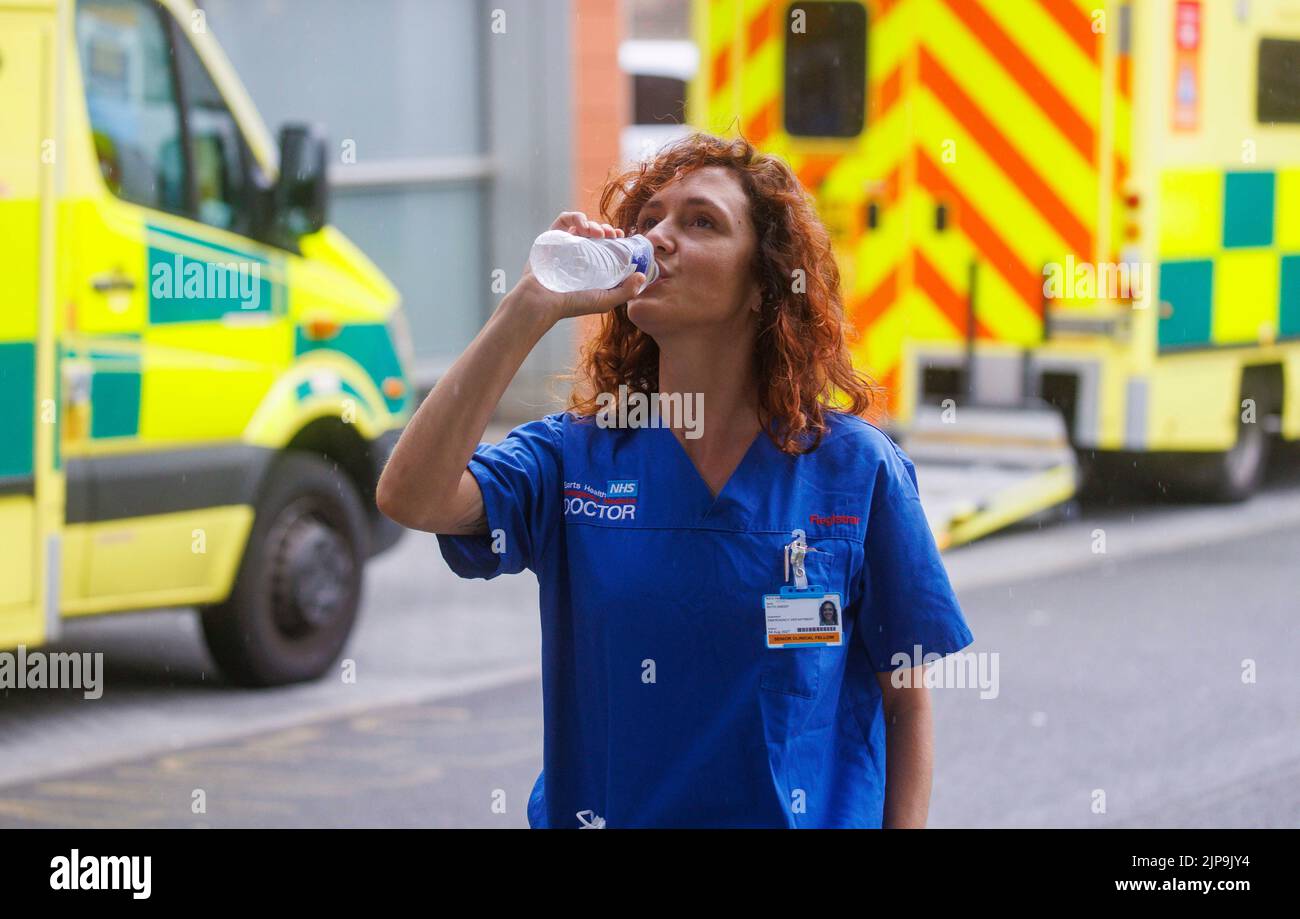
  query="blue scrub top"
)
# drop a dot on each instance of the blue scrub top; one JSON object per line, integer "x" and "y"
{"x": 662, "y": 705}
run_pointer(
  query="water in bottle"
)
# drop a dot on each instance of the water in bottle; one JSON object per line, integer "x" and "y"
{"x": 563, "y": 261}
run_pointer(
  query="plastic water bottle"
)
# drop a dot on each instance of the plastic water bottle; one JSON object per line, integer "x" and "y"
{"x": 564, "y": 262}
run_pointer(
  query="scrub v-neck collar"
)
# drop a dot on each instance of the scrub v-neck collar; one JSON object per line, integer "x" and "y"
{"x": 706, "y": 506}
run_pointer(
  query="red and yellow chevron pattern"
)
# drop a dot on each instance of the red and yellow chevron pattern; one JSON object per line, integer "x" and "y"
{"x": 1011, "y": 114}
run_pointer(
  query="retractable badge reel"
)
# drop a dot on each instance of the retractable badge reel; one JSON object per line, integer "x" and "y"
{"x": 802, "y": 615}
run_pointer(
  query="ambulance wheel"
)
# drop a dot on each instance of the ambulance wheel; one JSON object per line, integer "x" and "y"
{"x": 1235, "y": 474}
{"x": 299, "y": 585}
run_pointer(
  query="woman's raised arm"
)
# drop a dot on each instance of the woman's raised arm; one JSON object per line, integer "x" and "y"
{"x": 426, "y": 484}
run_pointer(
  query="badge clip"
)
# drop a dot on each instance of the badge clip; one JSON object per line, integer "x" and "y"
{"x": 794, "y": 556}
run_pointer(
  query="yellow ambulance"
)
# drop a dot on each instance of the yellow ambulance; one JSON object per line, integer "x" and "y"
{"x": 200, "y": 378}
{"x": 1069, "y": 229}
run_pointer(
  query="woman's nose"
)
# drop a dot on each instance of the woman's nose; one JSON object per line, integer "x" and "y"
{"x": 658, "y": 238}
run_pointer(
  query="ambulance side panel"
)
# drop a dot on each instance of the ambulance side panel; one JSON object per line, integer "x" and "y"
{"x": 1222, "y": 173}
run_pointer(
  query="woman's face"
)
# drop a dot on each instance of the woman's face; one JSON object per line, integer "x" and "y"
{"x": 704, "y": 243}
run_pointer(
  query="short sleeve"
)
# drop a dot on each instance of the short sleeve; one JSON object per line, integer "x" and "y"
{"x": 520, "y": 479}
{"x": 906, "y": 598}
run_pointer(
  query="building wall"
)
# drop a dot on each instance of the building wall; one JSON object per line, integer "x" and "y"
{"x": 602, "y": 101}
{"x": 473, "y": 122}
{"x": 602, "y": 98}
{"x": 399, "y": 84}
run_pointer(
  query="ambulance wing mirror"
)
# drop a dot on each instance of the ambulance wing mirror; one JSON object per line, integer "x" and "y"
{"x": 300, "y": 197}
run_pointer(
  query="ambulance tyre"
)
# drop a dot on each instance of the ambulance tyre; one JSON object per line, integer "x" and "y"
{"x": 296, "y": 596}
{"x": 1235, "y": 474}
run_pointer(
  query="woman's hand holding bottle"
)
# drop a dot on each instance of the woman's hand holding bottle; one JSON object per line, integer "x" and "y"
{"x": 531, "y": 298}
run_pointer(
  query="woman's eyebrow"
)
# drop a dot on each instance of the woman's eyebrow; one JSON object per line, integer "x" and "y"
{"x": 655, "y": 204}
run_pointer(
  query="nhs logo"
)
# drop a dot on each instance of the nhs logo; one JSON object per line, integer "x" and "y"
{"x": 622, "y": 488}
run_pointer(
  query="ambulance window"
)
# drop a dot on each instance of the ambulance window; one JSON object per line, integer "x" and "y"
{"x": 1277, "y": 95}
{"x": 825, "y": 69}
{"x": 131, "y": 101}
{"x": 219, "y": 155}
{"x": 658, "y": 99}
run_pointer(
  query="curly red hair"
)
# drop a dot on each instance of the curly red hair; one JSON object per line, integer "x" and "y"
{"x": 801, "y": 350}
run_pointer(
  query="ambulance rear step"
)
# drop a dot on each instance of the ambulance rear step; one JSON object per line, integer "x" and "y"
{"x": 981, "y": 469}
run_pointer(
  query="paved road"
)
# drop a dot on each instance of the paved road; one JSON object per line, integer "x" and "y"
{"x": 1118, "y": 672}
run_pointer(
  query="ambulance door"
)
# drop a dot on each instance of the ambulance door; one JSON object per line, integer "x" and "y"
{"x": 133, "y": 113}
{"x": 833, "y": 133}
{"x": 30, "y": 500}
{"x": 175, "y": 307}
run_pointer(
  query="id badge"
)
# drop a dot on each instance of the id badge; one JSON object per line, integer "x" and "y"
{"x": 803, "y": 618}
